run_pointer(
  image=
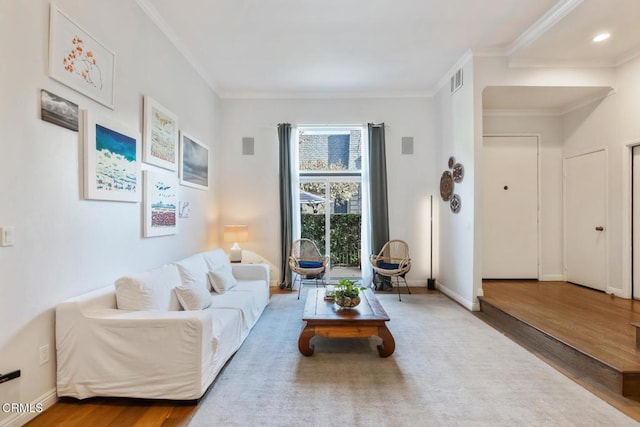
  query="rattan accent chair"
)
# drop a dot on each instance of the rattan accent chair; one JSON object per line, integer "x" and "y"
{"x": 393, "y": 262}
{"x": 307, "y": 262}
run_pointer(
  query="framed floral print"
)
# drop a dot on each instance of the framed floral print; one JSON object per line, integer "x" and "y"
{"x": 79, "y": 61}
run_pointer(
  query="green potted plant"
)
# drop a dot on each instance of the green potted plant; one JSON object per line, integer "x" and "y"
{"x": 347, "y": 294}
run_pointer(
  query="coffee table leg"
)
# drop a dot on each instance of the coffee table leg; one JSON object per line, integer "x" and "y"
{"x": 388, "y": 345}
{"x": 304, "y": 345}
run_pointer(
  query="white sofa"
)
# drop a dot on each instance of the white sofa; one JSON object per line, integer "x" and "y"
{"x": 157, "y": 350}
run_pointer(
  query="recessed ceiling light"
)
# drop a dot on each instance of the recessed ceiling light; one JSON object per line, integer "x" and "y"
{"x": 601, "y": 37}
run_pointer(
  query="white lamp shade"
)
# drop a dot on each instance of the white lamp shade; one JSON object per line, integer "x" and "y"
{"x": 236, "y": 233}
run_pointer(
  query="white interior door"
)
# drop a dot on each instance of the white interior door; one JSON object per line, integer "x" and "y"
{"x": 636, "y": 221}
{"x": 585, "y": 219}
{"x": 510, "y": 207}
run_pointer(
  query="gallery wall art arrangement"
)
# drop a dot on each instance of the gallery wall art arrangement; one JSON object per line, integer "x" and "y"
{"x": 113, "y": 152}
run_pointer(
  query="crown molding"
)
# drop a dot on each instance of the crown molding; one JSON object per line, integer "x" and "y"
{"x": 542, "y": 25}
{"x": 446, "y": 78}
{"x": 520, "y": 112}
{"x": 155, "y": 17}
{"x": 536, "y": 63}
{"x": 627, "y": 57}
{"x": 326, "y": 95}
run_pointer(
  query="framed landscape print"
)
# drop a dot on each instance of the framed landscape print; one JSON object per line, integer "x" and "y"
{"x": 194, "y": 162}
{"x": 57, "y": 110}
{"x": 79, "y": 61}
{"x": 160, "y": 203}
{"x": 160, "y": 144}
{"x": 111, "y": 160}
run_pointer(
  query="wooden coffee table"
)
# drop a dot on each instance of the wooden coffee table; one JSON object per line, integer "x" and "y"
{"x": 324, "y": 318}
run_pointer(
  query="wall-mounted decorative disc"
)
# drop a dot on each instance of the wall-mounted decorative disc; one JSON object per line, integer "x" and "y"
{"x": 458, "y": 172}
{"x": 446, "y": 186}
{"x": 452, "y": 161}
{"x": 455, "y": 203}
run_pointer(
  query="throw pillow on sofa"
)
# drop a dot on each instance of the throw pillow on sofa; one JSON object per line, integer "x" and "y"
{"x": 193, "y": 271}
{"x": 150, "y": 290}
{"x": 193, "y": 296}
{"x": 222, "y": 278}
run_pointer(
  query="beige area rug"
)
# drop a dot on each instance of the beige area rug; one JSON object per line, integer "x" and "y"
{"x": 449, "y": 369}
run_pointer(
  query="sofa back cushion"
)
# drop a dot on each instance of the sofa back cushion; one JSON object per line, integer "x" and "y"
{"x": 150, "y": 290}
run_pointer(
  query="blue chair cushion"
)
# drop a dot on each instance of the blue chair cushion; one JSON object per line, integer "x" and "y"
{"x": 387, "y": 265}
{"x": 310, "y": 264}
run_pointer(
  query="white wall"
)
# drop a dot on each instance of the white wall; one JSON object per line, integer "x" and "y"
{"x": 612, "y": 123}
{"x": 549, "y": 131}
{"x": 609, "y": 122}
{"x": 457, "y": 242}
{"x": 254, "y": 199}
{"x": 65, "y": 246}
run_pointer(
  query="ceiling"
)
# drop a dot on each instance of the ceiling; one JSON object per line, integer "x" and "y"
{"x": 406, "y": 48}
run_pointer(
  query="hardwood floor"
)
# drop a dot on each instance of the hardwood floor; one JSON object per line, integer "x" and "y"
{"x": 585, "y": 334}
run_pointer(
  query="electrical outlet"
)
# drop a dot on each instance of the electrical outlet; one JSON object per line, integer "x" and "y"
{"x": 44, "y": 354}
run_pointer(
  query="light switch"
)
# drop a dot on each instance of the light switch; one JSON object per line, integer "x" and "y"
{"x": 6, "y": 236}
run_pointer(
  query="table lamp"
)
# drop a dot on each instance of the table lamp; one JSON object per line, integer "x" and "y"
{"x": 235, "y": 234}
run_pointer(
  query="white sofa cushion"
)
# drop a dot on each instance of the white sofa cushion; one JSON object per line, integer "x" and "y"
{"x": 193, "y": 296}
{"x": 193, "y": 271}
{"x": 222, "y": 279}
{"x": 150, "y": 290}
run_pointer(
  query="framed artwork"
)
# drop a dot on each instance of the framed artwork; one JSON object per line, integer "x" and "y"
{"x": 57, "y": 110}
{"x": 194, "y": 162}
{"x": 79, "y": 61}
{"x": 160, "y": 203}
{"x": 160, "y": 144}
{"x": 111, "y": 160}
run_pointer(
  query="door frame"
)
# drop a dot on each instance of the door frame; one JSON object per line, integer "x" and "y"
{"x": 539, "y": 186}
{"x": 566, "y": 157}
{"x": 627, "y": 221}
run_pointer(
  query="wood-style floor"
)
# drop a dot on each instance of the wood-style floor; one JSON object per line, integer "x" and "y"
{"x": 584, "y": 333}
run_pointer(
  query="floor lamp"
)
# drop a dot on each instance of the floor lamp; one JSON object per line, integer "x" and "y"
{"x": 431, "y": 282}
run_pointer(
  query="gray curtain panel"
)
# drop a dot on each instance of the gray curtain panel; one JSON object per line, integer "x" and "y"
{"x": 378, "y": 186}
{"x": 286, "y": 202}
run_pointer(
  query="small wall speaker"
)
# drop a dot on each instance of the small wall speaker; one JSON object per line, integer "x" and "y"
{"x": 407, "y": 145}
{"x": 247, "y": 146}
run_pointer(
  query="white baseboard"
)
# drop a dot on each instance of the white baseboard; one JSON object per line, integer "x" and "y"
{"x": 31, "y": 411}
{"x": 552, "y": 278}
{"x": 469, "y": 305}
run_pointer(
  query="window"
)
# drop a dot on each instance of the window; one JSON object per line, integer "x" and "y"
{"x": 330, "y": 186}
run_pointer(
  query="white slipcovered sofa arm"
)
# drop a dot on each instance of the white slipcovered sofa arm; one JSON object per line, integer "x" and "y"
{"x": 251, "y": 272}
{"x": 96, "y": 346}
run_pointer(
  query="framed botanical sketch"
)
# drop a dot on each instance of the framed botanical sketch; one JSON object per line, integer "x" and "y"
{"x": 111, "y": 160}
{"x": 160, "y": 203}
{"x": 79, "y": 61}
{"x": 160, "y": 143}
{"x": 194, "y": 162}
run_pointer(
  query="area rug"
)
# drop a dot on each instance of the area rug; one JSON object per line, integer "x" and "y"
{"x": 449, "y": 369}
